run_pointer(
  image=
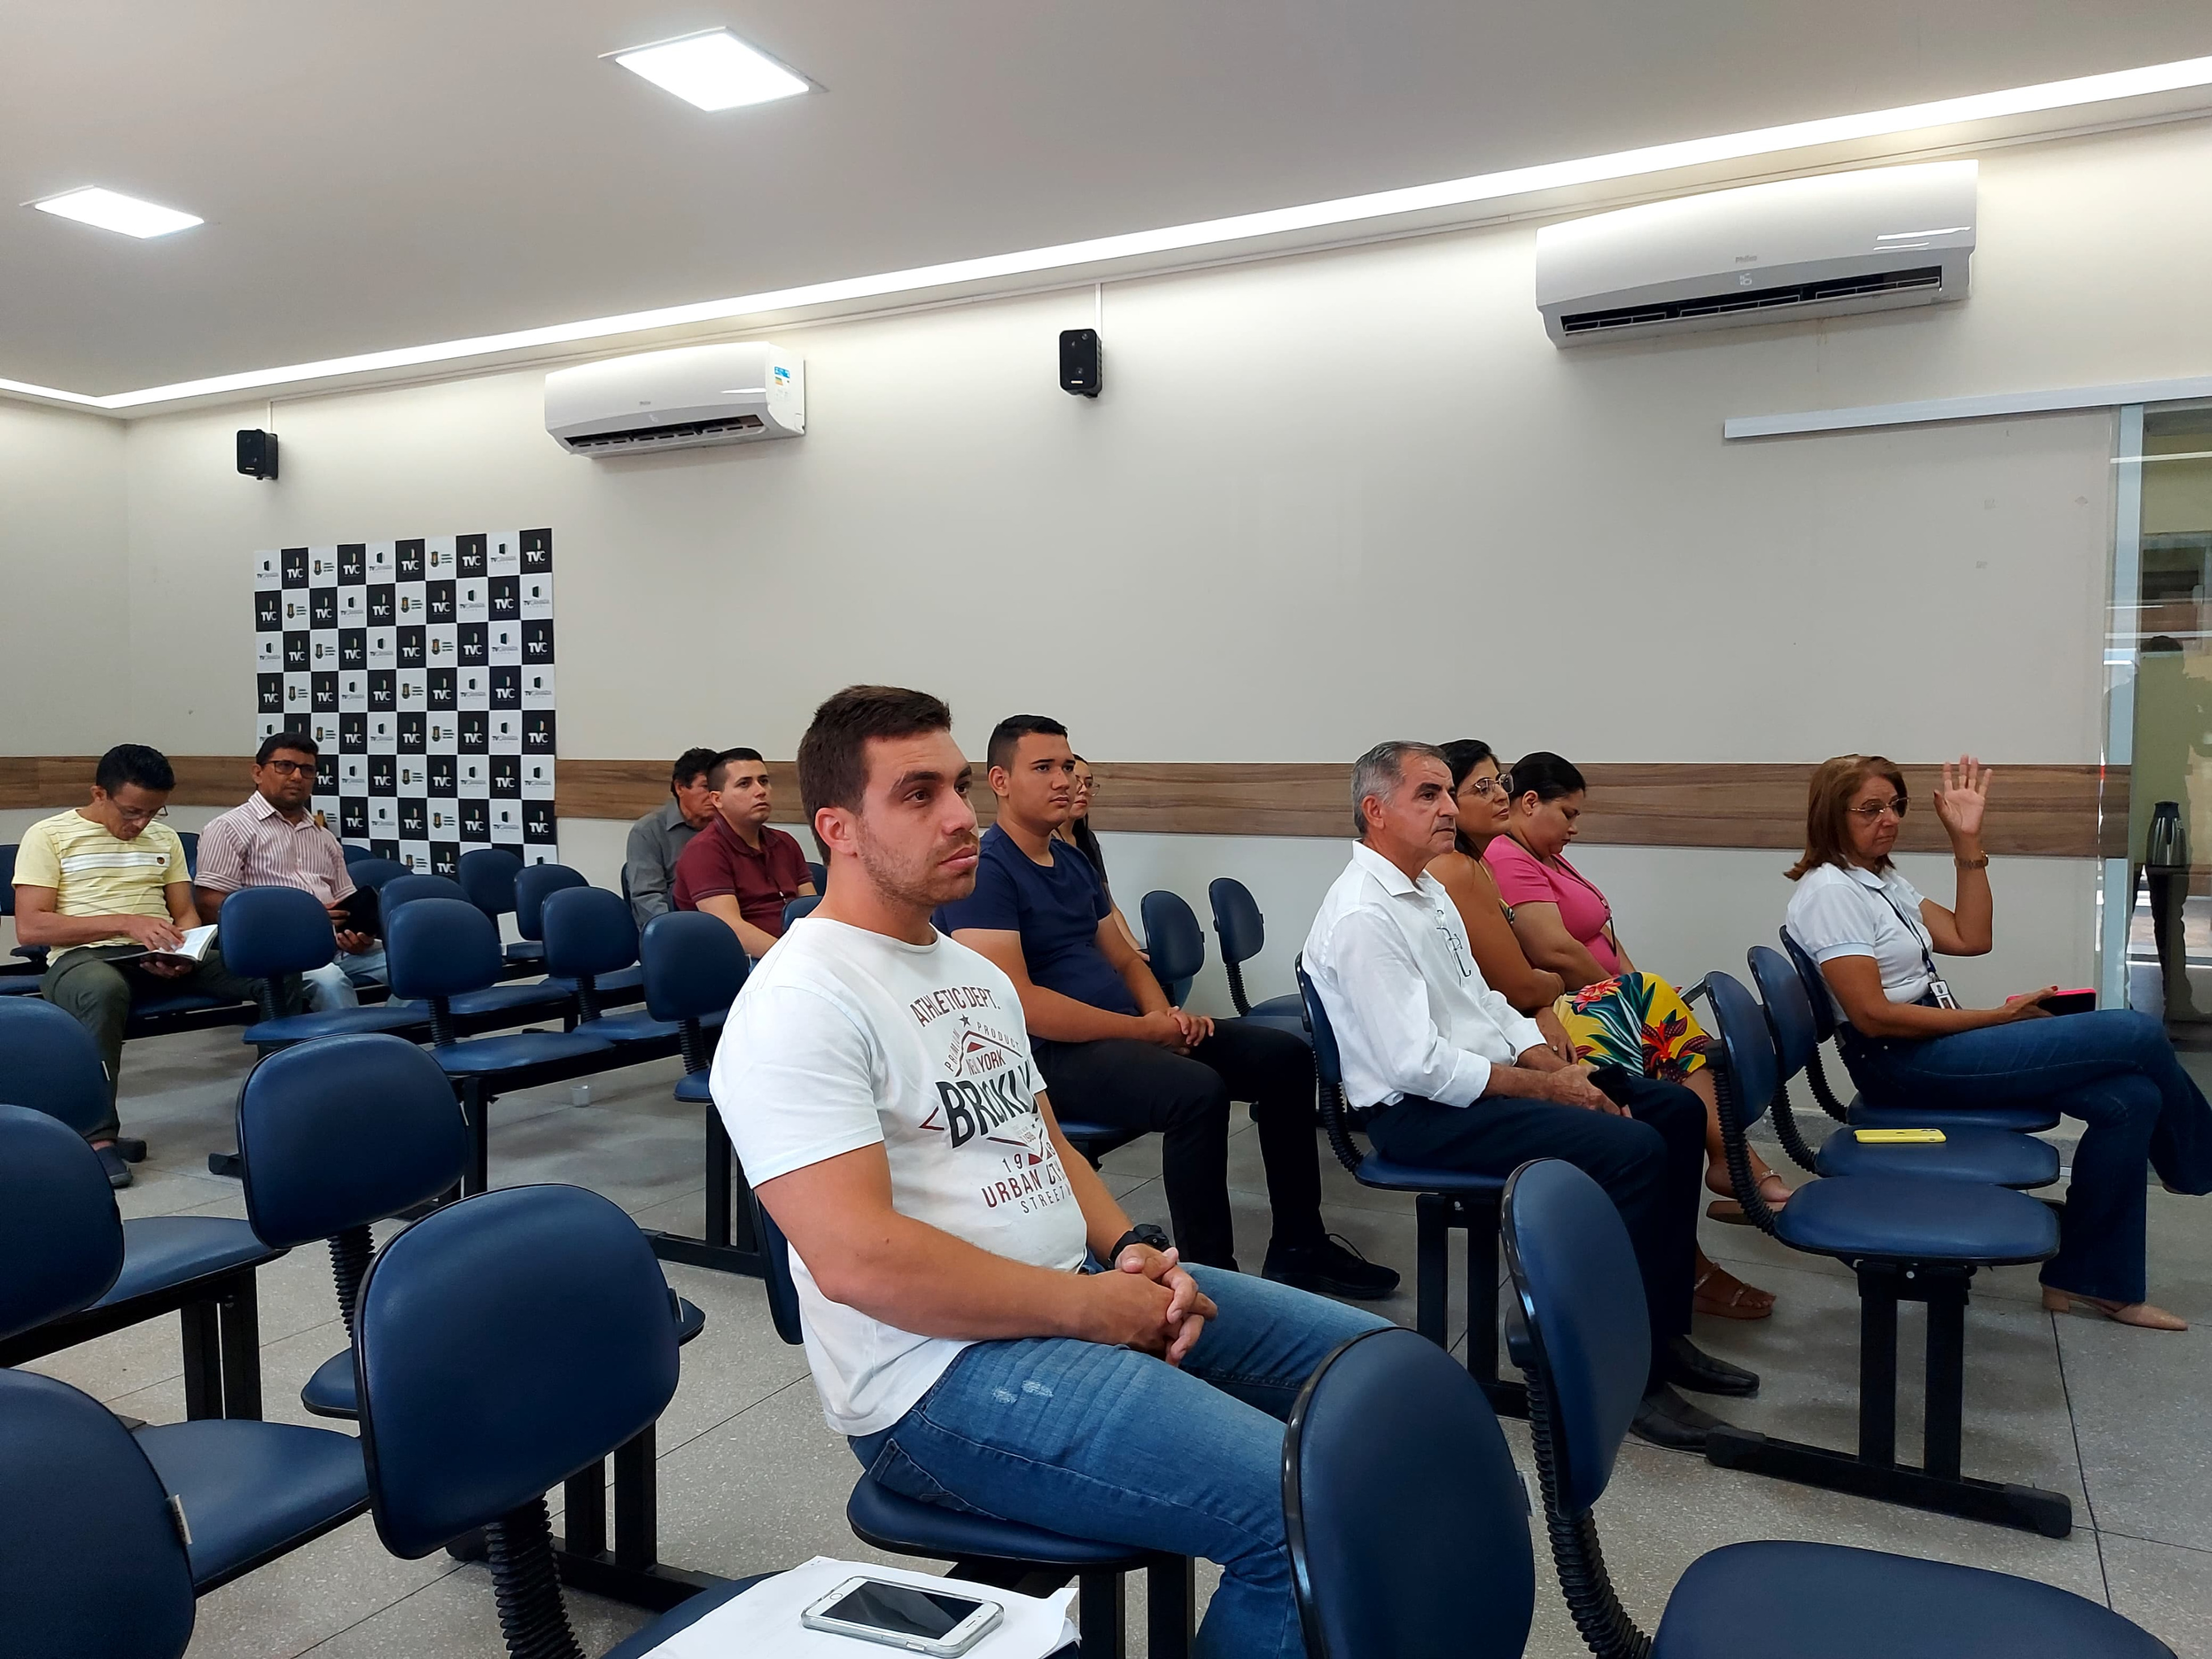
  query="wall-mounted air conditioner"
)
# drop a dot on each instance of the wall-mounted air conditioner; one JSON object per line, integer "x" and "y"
{"x": 714, "y": 394}
{"x": 1824, "y": 247}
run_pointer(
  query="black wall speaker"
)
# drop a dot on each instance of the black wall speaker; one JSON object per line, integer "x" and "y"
{"x": 257, "y": 453}
{"x": 1080, "y": 370}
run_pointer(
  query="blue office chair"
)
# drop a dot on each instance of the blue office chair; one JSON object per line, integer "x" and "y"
{"x": 1905, "y": 1240}
{"x": 591, "y": 939}
{"x": 268, "y": 932}
{"x": 199, "y": 1268}
{"x": 801, "y": 907}
{"x": 536, "y": 883}
{"x": 2002, "y": 1157}
{"x": 2023, "y": 1119}
{"x": 819, "y": 874}
{"x": 503, "y": 1345}
{"x": 189, "y": 838}
{"x": 249, "y": 1491}
{"x": 1173, "y": 944}
{"x": 372, "y": 871}
{"x": 487, "y": 876}
{"x": 354, "y": 1130}
{"x": 1581, "y": 1333}
{"x": 993, "y": 1552}
{"x": 30, "y": 958}
{"x": 1243, "y": 934}
{"x": 91, "y": 1561}
{"x": 490, "y": 1005}
{"x": 355, "y": 854}
{"x": 443, "y": 951}
{"x": 693, "y": 970}
{"x": 1444, "y": 1199}
{"x": 1407, "y": 1521}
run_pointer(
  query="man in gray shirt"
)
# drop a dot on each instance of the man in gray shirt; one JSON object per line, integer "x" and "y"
{"x": 657, "y": 839}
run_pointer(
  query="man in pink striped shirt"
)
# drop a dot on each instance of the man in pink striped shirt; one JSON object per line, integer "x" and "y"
{"x": 274, "y": 840}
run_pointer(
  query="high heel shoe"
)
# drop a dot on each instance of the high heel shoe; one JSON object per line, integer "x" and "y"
{"x": 2142, "y": 1315}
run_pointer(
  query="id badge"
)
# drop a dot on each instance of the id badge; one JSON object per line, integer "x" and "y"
{"x": 1942, "y": 993}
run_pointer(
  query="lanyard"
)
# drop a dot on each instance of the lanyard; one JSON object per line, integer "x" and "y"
{"x": 1927, "y": 960}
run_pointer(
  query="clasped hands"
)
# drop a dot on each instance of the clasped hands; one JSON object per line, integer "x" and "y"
{"x": 1149, "y": 1301}
{"x": 1174, "y": 1029}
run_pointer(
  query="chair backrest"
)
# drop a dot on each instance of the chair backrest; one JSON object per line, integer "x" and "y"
{"x": 356, "y": 854}
{"x": 1173, "y": 942}
{"x": 503, "y": 1343}
{"x": 271, "y": 931}
{"x": 488, "y": 877}
{"x": 1407, "y": 1521}
{"x": 52, "y": 1065}
{"x": 343, "y": 1131}
{"x": 7, "y": 879}
{"x": 536, "y": 883}
{"x": 1816, "y": 987}
{"x": 407, "y": 889}
{"x": 1790, "y": 1018}
{"x": 694, "y": 965}
{"x": 1746, "y": 1045}
{"x": 820, "y": 874}
{"x": 61, "y": 1240}
{"x": 1236, "y": 919}
{"x": 775, "y": 1275}
{"x": 90, "y": 1559}
{"x": 375, "y": 873}
{"x": 1329, "y": 1064}
{"x": 801, "y": 907}
{"x": 588, "y": 932}
{"x": 438, "y": 947}
{"x": 190, "y": 841}
{"x": 1583, "y": 1327}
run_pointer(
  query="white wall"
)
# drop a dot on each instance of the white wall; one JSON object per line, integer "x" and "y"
{"x": 65, "y": 673}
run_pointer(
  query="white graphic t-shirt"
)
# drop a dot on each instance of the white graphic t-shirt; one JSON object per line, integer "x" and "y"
{"x": 844, "y": 1038}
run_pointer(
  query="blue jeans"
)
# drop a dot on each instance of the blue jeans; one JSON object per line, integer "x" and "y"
{"x": 2112, "y": 1069}
{"x": 1108, "y": 1443}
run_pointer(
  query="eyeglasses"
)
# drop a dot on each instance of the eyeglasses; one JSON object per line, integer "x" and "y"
{"x": 132, "y": 815}
{"x": 1874, "y": 809}
{"x": 1500, "y": 785}
{"x": 284, "y": 768}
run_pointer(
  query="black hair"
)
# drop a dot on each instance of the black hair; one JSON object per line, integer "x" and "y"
{"x": 134, "y": 762}
{"x": 1086, "y": 838}
{"x": 833, "y": 756}
{"x": 1549, "y": 777}
{"x": 1463, "y": 755}
{"x": 718, "y": 773}
{"x": 298, "y": 742}
{"x": 1006, "y": 736}
{"x": 688, "y": 765}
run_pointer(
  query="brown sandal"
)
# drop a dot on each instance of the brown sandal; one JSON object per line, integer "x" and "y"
{"x": 1722, "y": 1294}
{"x": 1728, "y": 1210}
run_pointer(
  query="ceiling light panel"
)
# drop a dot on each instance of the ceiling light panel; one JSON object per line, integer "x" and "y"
{"x": 714, "y": 71}
{"x": 112, "y": 210}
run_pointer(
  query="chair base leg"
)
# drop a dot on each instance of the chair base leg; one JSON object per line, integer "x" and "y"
{"x": 228, "y": 1164}
{"x": 657, "y": 1588}
{"x": 698, "y": 1253}
{"x": 2028, "y": 1509}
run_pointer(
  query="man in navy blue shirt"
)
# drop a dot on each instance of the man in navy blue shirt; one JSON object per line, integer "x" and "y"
{"x": 1113, "y": 1051}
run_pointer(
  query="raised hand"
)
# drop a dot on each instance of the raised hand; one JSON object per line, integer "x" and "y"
{"x": 1963, "y": 798}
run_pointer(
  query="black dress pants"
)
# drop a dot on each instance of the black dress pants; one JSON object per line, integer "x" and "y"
{"x": 1185, "y": 1099}
{"x": 1651, "y": 1164}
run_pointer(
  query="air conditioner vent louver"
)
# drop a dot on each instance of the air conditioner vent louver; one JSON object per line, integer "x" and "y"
{"x": 1753, "y": 299}
{"x": 646, "y": 437}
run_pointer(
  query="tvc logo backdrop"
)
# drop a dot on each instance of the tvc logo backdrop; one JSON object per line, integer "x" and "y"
{"x": 424, "y": 670}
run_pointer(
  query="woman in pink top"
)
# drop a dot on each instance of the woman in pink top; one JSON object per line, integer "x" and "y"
{"x": 1565, "y": 924}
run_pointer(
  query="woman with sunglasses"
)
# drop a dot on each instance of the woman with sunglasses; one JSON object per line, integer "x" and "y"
{"x": 1632, "y": 1020}
{"x": 1907, "y": 1043}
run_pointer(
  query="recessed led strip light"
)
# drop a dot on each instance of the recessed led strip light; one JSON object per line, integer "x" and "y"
{"x": 110, "y": 209}
{"x": 1349, "y": 209}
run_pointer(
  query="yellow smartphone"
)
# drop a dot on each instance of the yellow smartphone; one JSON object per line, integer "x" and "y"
{"x": 1899, "y": 1137}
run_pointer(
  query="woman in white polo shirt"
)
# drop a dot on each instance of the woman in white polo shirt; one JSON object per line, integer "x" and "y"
{"x": 1907, "y": 1043}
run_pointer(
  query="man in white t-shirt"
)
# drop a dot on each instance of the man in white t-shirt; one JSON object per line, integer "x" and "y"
{"x": 877, "y": 1080}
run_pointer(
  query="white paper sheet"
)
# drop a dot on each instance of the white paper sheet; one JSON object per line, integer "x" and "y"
{"x": 764, "y": 1622}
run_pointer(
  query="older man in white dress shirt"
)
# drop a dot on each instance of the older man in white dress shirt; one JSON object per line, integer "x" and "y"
{"x": 1444, "y": 1071}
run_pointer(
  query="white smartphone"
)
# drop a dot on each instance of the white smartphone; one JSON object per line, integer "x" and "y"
{"x": 938, "y": 1623}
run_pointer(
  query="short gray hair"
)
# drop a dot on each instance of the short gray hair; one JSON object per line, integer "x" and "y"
{"x": 1382, "y": 769}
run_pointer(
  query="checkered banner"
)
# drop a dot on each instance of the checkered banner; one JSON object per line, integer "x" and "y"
{"x": 424, "y": 670}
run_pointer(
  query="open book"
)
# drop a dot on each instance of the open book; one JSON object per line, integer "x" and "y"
{"x": 192, "y": 951}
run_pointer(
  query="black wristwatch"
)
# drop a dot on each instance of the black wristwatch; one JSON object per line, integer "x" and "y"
{"x": 1143, "y": 1233}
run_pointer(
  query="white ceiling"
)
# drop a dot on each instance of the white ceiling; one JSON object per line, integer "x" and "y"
{"x": 389, "y": 174}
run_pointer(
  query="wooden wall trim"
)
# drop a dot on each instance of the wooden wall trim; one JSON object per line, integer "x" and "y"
{"x": 2051, "y": 811}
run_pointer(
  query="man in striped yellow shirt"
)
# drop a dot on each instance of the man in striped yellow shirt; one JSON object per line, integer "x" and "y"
{"x": 104, "y": 880}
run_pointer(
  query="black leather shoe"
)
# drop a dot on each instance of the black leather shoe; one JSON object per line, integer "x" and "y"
{"x": 132, "y": 1148}
{"x": 1331, "y": 1267}
{"x": 1687, "y": 1366}
{"x": 118, "y": 1172}
{"x": 1666, "y": 1419}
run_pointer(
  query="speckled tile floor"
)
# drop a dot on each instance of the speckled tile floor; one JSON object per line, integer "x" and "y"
{"x": 750, "y": 1479}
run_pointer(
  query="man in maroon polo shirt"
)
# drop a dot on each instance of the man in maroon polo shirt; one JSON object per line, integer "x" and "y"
{"x": 737, "y": 868}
